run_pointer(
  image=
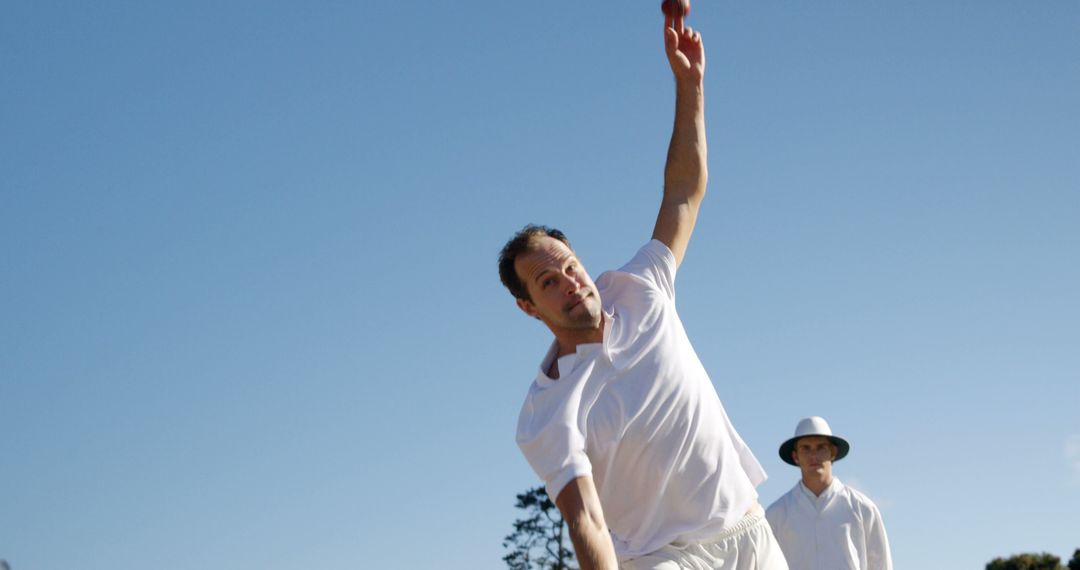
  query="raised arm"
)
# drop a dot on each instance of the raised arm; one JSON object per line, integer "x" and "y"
{"x": 580, "y": 507}
{"x": 686, "y": 171}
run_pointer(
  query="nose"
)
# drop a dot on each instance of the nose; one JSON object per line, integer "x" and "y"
{"x": 572, "y": 285}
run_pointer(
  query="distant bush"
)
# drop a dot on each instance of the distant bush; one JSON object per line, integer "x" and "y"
{"x": 1042, "y": 561}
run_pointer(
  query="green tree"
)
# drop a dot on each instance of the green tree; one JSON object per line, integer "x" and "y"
{"x": 1042, "y": 561}
{"x": 539, "y": 541}
{"x": 1074, "y": 564}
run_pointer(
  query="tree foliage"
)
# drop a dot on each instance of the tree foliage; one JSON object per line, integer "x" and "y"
{"x": 1042, "y": 561}
{"x": 1074, "y": 563}
{"x": 539, "y": 541}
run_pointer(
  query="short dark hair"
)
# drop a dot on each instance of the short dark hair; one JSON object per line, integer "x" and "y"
{"x": 522, "y": 242}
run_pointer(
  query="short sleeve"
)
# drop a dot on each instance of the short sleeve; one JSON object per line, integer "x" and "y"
{"x": 655, "y": 263}
{"x": 551, "y": 436}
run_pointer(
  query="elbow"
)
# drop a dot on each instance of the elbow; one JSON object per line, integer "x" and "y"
{"x": 587, "y": 522}
{"x": 696, "y": 190}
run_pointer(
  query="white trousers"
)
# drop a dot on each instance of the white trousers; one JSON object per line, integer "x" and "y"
{"x": 749, "y": 545}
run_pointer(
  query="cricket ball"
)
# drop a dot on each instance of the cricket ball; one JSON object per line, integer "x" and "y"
{"x": 675, "y": 8}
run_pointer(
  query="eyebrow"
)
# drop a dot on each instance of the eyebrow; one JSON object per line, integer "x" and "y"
{"x": 555, "y": 263}
{"x": 540, "y": 276}
{"x": 560, "y": 263}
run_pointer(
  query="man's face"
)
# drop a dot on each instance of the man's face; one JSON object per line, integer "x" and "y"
{"x": 562, "y": 294}
{"x": 814, "y": 454}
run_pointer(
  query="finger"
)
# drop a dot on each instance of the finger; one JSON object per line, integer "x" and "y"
{"x": 679, "y": 23}
{"x": 671, "y": 40}
{"x": 669, "y": 22}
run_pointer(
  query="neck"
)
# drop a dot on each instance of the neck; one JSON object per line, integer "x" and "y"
{"x": 817, "y": 485}
{"x": 568, "y": 340}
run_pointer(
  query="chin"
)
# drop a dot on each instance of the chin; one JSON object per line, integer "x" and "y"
{"x": 596, "y": 316}
{"x": 586, "y": 320}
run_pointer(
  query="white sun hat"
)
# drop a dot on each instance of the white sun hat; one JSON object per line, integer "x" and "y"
{"x": 814, "y": 425}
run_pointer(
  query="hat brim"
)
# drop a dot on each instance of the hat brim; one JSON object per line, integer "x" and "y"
{"x": 842, "y": 447}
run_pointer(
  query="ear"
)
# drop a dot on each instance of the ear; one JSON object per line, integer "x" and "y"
{"x": 795, "y": 456}
{"x": 835, "y": 451}
{"x": 528, "y": 308}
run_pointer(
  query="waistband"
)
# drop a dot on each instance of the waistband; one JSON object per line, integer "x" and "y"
{"x": 752, "y": 518}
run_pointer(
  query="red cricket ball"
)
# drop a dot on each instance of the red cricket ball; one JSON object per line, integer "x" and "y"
{"x": 675, "y": 8}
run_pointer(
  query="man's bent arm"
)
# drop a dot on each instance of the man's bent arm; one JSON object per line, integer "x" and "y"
{"x": 580, "y": 507}
{"x": 686, "y": 171}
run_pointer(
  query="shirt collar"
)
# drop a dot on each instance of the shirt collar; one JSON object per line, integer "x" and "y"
{"x": 826, "y": 495}
{"x": 569, "y": 361}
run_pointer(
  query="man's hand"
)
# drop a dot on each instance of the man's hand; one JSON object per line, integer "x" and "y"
{"x": 686, "y": 172}
{"x": 685, "y": 52}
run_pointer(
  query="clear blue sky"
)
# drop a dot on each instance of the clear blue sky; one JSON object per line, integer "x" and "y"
{"x": 251, "y": 316}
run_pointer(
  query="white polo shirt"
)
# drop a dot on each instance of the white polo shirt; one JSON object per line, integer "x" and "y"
{"x": 639, "y": 414}
{"x": 841, "y": 529}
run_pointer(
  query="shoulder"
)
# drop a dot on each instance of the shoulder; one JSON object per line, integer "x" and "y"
{"x": 540, "y": 408}
{"x": 654, "y": 254}
{"x": 860, "y": 502}
{"x": 653, "y": 265}
{"x": 776, "y": 509}
{"x": 858, "y": 496}
{"x": 780, "y": 507}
